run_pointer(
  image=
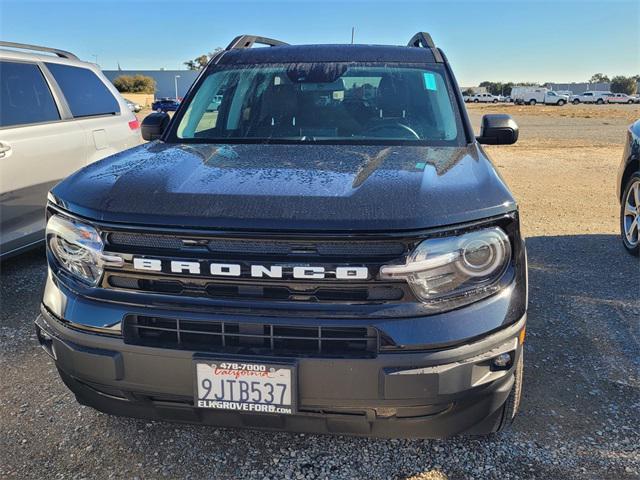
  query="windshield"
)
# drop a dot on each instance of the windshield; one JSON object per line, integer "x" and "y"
{"x": 323, "y": 102}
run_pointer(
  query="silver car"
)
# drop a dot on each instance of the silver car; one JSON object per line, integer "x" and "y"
{"x": 57, "y": 114}
{"x": 134, "y": 107}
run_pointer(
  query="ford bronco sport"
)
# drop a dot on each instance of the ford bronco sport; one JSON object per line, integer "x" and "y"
{"x": 316, "y": 241}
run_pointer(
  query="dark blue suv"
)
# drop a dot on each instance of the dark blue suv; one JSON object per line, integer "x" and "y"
{"x": 165, "y": 105}
{"x": 316, "y": 241}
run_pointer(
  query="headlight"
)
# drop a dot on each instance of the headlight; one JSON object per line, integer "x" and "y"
{"x": 78, "y": 248}
{"x": 467, "y": 265}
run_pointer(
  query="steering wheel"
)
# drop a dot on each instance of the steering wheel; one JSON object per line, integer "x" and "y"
{"x": 400, "y": 127}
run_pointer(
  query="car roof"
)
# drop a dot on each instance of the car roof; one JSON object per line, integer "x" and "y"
{"x": 327, "y": 53}
{"x": 10, "y": 54}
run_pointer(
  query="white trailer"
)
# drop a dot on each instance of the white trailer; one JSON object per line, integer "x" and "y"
{"x": 533, "y": 95}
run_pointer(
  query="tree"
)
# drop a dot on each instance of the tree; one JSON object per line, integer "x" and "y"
{"x": 200, "y": 62}
{"x": 492, "y": 87}
{"x": 506, "y": 89}
{"x": 135, "y": 84}
{"x": 498, "y": 88}
{"x": 468, "y": 92}
{"x": 621, "y": 84}
{"x": 599, "y": 78}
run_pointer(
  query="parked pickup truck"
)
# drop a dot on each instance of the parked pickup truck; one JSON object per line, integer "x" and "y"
{"x": 297, "y": 250}
{"x": 621, "y": 98}
{"x": 483, "y": 98}
{"x": 531, "y": 96}
{"x": 591, "y": 97}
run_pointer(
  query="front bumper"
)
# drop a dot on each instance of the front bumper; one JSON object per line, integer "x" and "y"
{"x": 430, "y": 393}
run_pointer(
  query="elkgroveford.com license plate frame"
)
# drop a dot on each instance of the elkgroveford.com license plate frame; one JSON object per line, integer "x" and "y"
{"x": 248, "y": 387}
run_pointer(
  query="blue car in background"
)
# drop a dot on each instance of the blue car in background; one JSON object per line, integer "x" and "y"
{"x": 165, "y": 105}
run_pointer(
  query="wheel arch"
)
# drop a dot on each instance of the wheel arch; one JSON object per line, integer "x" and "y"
{"x": 632, "y": 167}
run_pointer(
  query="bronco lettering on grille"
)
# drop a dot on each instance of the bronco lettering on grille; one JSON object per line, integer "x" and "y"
{"x": 255, "y": 271}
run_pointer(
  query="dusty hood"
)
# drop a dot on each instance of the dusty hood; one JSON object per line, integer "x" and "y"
{"x": 291, "y": 187}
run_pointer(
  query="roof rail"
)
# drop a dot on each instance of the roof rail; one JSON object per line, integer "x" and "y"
{"x": 36, "y": 48}
{"x": 424, "y": 40}
{"x": 247, "y": 41}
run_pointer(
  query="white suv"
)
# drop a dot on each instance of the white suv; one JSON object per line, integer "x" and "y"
{"x": 57, "y": 114}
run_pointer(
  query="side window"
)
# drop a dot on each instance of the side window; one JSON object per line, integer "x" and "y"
{"x": 85, "y": 93}
{"x": 24, "y": 95}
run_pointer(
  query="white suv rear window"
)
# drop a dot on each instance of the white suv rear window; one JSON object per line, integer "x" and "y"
{"x": 85, "y": 93}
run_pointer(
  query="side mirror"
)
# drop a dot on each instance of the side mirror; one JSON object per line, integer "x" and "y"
{"x": 154, "y": 125}
{"x": 497, "y": 129}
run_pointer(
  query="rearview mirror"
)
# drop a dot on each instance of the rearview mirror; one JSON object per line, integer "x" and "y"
{"x": 154, "y": 125}
{"x": 497, "y": 129}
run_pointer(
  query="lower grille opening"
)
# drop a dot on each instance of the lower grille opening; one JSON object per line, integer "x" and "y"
{"x": 255, "y": 339}
{"x": 259, "y": 292}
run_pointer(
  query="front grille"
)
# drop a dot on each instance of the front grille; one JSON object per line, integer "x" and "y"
{"x": 263, "y": 247}
{"x": 252, "y": 339}
{"x": 314, "y": 250}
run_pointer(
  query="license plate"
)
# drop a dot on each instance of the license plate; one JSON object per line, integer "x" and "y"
{"x": 245, "y": 387}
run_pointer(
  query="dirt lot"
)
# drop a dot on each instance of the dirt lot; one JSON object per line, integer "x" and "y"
{"x": 581, "y": 404}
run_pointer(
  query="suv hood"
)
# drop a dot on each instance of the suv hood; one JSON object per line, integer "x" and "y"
{"x": 288, "y": 187}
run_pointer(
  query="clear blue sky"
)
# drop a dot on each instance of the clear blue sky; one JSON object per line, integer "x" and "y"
{"x": 500, "y": 41}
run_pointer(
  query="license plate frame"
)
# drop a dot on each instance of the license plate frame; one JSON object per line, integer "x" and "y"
{"x": 249, "y": 367}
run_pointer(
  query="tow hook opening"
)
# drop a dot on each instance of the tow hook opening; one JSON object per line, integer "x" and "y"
{"x": 46, "y": 341}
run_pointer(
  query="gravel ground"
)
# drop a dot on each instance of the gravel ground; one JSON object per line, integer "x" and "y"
{"x": 581, "y": 401}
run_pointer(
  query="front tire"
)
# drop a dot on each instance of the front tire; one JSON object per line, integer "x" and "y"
{"x": 561, "y": 103}
{"x": 599, "y": 101}
{"x": 495, "y": 100}
{"x": 630, "y": 215}
{"x": 532, "y": 102}
{"x": 512, "y": 404}
{"x": 576, "y": 101}
{"x": 476, "y": 101}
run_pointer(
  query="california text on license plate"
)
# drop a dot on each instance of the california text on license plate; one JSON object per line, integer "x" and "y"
{"x": 245, "y": 387}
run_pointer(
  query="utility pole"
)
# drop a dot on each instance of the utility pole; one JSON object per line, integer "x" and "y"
{"x": 176, "y": 82}
{"x": 353, "y": 34}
